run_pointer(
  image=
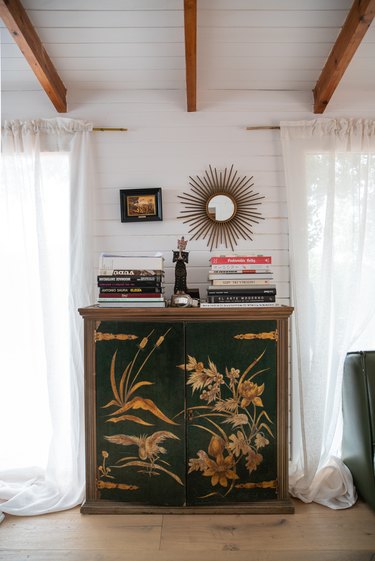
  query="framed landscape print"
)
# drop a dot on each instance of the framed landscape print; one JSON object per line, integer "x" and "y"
{"x": 141, "y": 205}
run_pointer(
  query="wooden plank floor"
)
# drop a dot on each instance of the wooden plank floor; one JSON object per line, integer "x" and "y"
{"x": 313, "y": 533}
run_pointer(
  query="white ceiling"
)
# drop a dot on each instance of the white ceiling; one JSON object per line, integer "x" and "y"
{"x": 279, "y": 45}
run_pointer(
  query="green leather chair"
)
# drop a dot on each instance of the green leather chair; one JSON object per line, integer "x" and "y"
{"x": 358, "y": 444}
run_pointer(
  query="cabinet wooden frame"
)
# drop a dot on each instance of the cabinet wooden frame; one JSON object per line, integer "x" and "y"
{"x": 93, "y": 315}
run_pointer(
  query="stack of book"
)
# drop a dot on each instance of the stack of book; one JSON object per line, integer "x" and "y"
{"x": 131, "y": 281}
{"x": 241, "y": 279}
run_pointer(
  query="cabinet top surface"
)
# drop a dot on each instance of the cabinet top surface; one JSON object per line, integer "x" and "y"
{"x": 185, "y": 314}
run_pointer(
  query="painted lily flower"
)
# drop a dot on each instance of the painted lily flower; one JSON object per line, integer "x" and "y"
{"x": 220, "y": 470}
{"x": 250, "y": 393}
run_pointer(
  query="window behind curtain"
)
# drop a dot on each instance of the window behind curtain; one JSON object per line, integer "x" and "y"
{"x": 34, "y": 253}
{"x": 343, "y": 217}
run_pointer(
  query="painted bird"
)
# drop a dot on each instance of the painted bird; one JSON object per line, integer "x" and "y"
{"x": 148, "y": 446}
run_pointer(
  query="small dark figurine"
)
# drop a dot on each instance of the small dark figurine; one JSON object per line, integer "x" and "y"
{"x": 180, "y": 257}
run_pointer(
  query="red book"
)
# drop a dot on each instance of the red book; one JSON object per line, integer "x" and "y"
{"x": 242, "y": 260}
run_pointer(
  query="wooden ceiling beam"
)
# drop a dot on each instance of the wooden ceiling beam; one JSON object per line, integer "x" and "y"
{"x": 20, "y": 27}
{"x": 190, "y": 19}
{"x": 356, "y": 24}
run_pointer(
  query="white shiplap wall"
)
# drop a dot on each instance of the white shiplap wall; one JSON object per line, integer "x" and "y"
{"x": 164, "y": 145}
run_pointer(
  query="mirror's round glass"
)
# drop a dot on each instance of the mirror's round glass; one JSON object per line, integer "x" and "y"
{"x": 220, "y": 208}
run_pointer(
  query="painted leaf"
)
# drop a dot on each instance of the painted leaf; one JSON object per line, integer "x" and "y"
{"x": 129, "y": 418}
{"x": 266, "y": 427}
{"x": 264, "y": 413}
{"x": 250, "y": 367}
{"x": 122, "y": 382}
{"x": 112, "y": 378}
{"x": 139, "y": 385}
{"x": 154, "y": 466}
{"x": 123, "y": 439}
{"x": 259, "y": 372}
{"x": 113, "y": 402}
{"x": 209, "y": 495}
{"x": 146, "y": 405}
{"x": 237, "y": 420}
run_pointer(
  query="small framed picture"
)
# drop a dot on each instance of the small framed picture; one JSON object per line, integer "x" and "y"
{"x": 141, "y": 205}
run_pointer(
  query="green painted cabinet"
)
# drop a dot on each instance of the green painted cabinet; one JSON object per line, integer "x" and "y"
{"x": 140, "y": 431}
{"x": 186, "y": 409}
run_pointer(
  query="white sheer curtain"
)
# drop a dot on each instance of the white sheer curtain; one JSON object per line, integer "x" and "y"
{"x": 45, "y": 275}
{"x": 330, "y": 177}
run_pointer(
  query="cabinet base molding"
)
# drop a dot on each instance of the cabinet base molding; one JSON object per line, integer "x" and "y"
{"x": 265, "y": 507}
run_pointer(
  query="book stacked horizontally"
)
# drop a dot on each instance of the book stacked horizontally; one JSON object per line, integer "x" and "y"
{"x": 131, "y": 281}
{"x": 245, "y": 279}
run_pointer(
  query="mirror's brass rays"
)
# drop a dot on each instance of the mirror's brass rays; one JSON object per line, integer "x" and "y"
{"x": 228, "y": 184}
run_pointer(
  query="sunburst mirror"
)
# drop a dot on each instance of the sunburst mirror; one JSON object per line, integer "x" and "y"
{"x": 221, "y": 207}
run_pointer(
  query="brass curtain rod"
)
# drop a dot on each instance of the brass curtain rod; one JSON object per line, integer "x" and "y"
{"x": 257, "y": 128}
{"x": 106, "y": 129}
{"x": 263, "y": 127}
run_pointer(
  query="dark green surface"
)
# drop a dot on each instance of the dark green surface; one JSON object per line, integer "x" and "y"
{"x": 358, "y": 444}
{"x": 166, "y": 392}
{"x": 215, "y": 341}
{"x": 212, "y": 344}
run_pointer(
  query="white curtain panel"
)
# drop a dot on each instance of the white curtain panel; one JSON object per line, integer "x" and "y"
{"x": 45, "y": 276}
{"x": 330, "y": 178}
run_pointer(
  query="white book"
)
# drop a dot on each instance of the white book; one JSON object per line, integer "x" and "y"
{"x": 239, "y": 288}
{"x": 214, "y": 275}
{"x": 239, "y": 267}
{"x": 241, "y": 283}
{"x": 110, "y": 262}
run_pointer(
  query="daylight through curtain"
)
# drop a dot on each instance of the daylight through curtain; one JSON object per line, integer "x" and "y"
{"x": 330, "y": 178}
{"x": 45, "y": 256}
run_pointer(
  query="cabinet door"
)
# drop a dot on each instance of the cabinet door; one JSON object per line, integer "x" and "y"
{"x": 140, "y": 421}
{"x": 231, "y": 395}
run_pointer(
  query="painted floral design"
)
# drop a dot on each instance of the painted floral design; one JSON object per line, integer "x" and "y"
{"x": 219, "y": 466}
{"x": 233, "y": 413}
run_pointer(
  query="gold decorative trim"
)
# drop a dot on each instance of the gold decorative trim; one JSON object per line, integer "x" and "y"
{"x": 122, "y": 486}
{"x": 261, "y": 485}
{"x": 274, "y": 335}
{"x": 114, "y": 337}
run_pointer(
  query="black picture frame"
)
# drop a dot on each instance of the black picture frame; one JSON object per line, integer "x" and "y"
{"x": 141, "y": 205}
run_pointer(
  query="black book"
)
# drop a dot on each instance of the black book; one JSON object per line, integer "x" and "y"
{"x": 131, "y": 290}
{"x": 130, "y": 278}
{"x": 240, "y": 292}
